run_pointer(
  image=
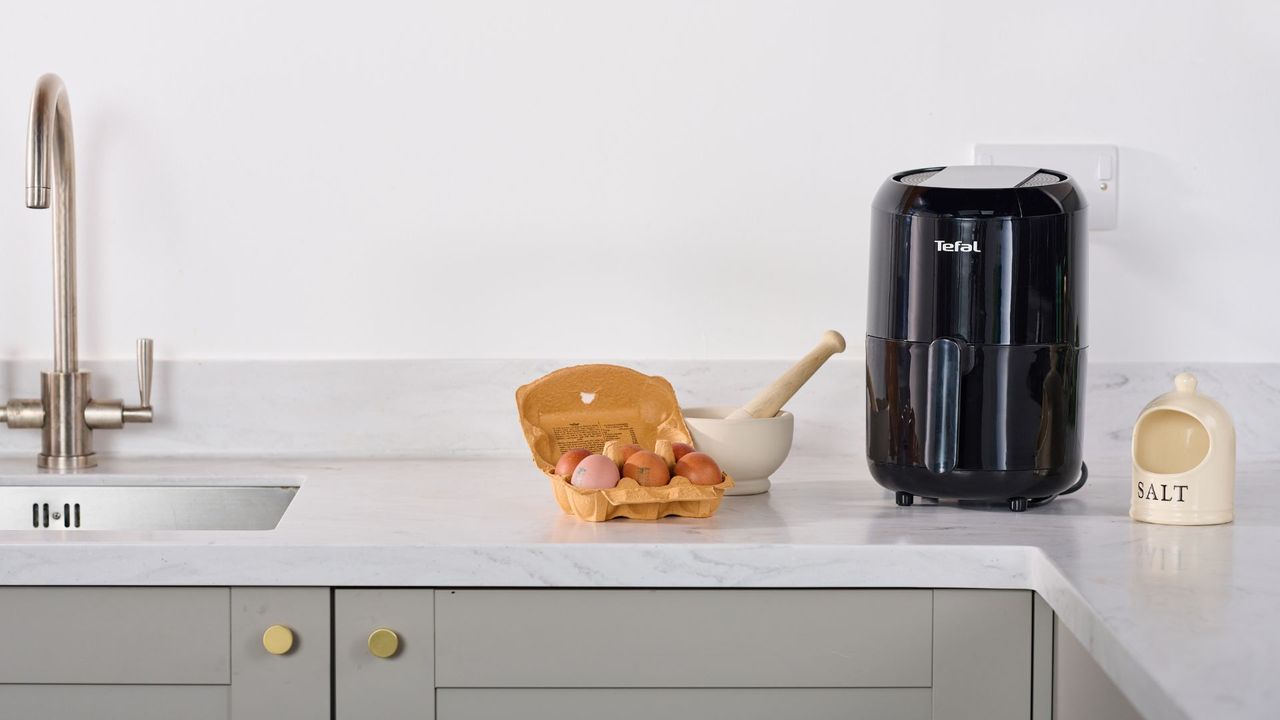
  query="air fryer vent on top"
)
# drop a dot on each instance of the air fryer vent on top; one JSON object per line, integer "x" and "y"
{"x": 1040, "y": 178}
{"x": 917, "y": 178}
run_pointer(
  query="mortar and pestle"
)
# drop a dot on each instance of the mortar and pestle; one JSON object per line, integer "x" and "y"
{"x": 752, "y": 441}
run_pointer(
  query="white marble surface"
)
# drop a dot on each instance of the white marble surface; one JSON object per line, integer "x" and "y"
{"x": 1184, "y": 619}
{"x": 466, "y": 408}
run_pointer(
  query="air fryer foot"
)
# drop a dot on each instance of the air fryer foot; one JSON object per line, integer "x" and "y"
{"x": 904, "y": 499}
{"x": 1018, "y": 504}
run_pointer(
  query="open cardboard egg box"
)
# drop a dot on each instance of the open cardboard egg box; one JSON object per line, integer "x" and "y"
{"x": 587, "y": 406}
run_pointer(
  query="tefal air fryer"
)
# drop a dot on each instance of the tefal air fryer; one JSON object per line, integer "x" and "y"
{"x": 976, "y": 335}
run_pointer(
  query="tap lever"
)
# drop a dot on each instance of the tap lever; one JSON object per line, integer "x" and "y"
{"x": 146, "y": 358}
{"x": 118, "y": 414}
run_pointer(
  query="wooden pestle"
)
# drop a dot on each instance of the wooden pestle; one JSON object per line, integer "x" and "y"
{"x": 772, "y": 398}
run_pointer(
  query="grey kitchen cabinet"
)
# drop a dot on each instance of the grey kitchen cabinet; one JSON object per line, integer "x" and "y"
{"x": 982, "y": 654}
{"x": 291, "y": 685}
{"x": 114, "y": 653}
{"x": 813, "y": 653}
{"x": 397, "y": 687}
{"x": 455, "y": 654}
{"x": 173, "y": 653}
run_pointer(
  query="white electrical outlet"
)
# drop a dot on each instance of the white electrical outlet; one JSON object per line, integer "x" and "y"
{"x": 1095, "y": 168}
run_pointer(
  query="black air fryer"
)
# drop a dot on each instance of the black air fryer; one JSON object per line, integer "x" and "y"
{"x": 976, "y": 335}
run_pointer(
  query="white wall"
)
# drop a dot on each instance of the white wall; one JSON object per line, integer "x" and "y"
{"x": 640, "y": 179}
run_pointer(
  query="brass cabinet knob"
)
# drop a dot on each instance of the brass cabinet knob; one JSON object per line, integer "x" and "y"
{"x": 383, "y": 643}
{"x": 278, "y": 640}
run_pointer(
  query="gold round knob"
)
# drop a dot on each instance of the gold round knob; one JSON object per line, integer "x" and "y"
{"x": 383, "y": 643}
{"x": 278, "y": 640}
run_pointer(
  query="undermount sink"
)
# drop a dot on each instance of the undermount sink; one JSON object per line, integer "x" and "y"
{"x": 98, "y": 503}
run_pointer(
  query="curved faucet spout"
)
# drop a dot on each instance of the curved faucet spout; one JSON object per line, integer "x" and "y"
{"x": 51, "y": 176}
{"x": 67, "y": 413}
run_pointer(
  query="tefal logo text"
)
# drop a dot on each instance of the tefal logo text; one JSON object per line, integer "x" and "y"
{"x": 957, "y": 246}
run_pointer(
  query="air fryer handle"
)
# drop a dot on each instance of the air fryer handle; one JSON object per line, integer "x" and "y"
{"x": 942, "y": 421}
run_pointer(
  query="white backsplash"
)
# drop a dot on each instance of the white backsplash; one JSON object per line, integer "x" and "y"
{"x": 422, "y": 408}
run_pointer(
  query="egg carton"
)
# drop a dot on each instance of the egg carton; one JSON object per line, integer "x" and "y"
{"x": 590, "y": 405}
{"x": 629, "y": 499}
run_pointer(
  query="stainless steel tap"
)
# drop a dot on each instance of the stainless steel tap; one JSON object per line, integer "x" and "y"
{"x": 66, "y": 412}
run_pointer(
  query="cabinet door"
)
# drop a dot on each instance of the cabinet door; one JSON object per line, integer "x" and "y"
{"x": 293, "y": 685}
{"x": 686, "y": 704}
{"x": 399, "y": 687}
{"x": 982, "y": 654}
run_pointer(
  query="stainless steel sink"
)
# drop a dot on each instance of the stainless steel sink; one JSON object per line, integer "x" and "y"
{"x": 256, "y": 504}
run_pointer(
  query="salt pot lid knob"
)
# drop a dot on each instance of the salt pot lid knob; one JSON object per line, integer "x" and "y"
{"x": 1185, "y": 382}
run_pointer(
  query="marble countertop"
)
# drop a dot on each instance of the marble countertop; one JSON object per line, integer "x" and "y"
{"x": 1184, "y": 619}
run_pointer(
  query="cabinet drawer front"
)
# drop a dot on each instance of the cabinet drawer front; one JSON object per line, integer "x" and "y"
{"x": 146, "y": 636}
{"x": 392, "y": 688}
{"x": 687, "y": 704}
{"x": 713, "y": 638}
{"x": 114, "y": 702}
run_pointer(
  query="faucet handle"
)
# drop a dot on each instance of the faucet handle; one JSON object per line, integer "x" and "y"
{"x": 100, "y": 414}
{"x": 146, "y": 359}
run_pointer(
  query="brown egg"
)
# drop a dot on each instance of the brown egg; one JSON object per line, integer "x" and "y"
{"x": 646, "y": 468}
{"x": 570, "y": 460}
{"x": 629, "y": 450}
{"x": 699, "y": 468}
{"x": 681, "y": 449}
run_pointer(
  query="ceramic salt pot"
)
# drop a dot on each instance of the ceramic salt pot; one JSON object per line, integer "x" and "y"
{"x": 1184, "y": 459}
